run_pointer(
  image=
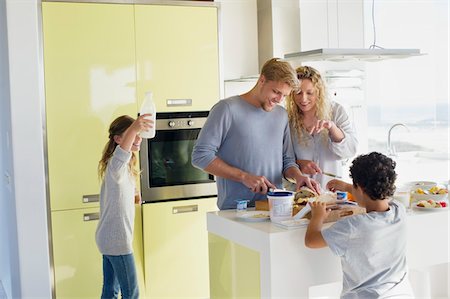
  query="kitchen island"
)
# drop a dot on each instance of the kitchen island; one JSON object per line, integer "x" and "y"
{"x": 263, "y": 260}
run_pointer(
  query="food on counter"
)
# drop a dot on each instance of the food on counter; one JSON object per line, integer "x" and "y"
{"x": 303, "y": 195}
{"x": 433, "y": 190}
{"x": 437, "y": 190}
{"x": 431, "y": 204}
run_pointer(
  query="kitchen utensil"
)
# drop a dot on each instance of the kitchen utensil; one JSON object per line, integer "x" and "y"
{"x": 331, "y": 175}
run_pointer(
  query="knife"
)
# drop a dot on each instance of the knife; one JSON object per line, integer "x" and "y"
{"x": 331, "y": 175}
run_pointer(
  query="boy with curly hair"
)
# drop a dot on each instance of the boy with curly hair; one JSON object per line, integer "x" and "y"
{"x": 372, "y": 246}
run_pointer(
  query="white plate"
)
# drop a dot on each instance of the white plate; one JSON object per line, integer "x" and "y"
{"x": 254, "y": 216}
{"x": 429, "y": 209}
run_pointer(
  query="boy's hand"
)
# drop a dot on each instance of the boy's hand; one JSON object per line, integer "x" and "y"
{"x": 319, "y": 211}
{"x": 334, "y": 185}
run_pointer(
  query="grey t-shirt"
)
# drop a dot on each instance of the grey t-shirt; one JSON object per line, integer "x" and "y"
{"x": 248, "y": 138}
{"x": 114, "y": 235}
{"x": 372, "y": 248}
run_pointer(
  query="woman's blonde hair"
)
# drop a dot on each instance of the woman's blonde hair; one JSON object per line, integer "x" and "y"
{"x": 323, "y": 106}
{"x": 278, "y": 70}
{"x": 117, "y": 128}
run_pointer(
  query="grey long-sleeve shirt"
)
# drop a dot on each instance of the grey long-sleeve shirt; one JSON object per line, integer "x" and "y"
{"x": 248, "y": 138}
{"x": 114, "y": 235}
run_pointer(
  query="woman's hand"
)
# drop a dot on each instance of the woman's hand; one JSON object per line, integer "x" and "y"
{"x": 309, "y": 167}
{"x": 320, "y": 125}
{"x": 304, "y": 180}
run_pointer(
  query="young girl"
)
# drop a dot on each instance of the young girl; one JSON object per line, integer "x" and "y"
{"x": 114, "y": 235}
{"x": 372, "y": 246}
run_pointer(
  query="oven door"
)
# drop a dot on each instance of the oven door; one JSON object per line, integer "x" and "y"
{"x": 167, "y": 171}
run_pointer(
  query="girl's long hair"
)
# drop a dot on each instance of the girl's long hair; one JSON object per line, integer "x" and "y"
{"x": 117, "y": 127}
{"x": 323, "y": 106}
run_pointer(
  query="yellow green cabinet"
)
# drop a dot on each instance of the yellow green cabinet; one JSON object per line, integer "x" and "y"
{"x": 89, "y": 68}
{"x": 77, "y": 261}
{"x": 177, "y": 56}
{"x": 176, "y": 248}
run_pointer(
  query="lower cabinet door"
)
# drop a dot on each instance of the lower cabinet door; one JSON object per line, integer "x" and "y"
{"x": 176, "y": 248}
{"x": 77, "y": 262}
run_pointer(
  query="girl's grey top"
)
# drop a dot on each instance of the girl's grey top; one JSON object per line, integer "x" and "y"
{"x": 114, "y": 235}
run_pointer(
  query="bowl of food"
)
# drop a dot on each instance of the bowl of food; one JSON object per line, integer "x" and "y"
{"x": 434, "y": 193}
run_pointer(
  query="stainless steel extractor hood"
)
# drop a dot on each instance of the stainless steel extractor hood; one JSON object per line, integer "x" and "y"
{"x": 335, "y": 54}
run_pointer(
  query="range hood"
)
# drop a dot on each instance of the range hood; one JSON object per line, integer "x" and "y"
{"x": 337, "y": 54}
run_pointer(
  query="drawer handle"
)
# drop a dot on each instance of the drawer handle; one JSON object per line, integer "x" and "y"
{"x": 91, "y": 198}
{"x": 184, "y": 209}
{"x": 91, "y": 216}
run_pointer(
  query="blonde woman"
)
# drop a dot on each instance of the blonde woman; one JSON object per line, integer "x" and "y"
{"x": 322, "y": 134}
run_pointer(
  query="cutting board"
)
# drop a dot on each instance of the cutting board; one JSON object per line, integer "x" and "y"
{"x": 337, "y": 212}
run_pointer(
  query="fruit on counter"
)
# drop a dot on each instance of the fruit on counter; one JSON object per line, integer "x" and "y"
{"x": 431, "y": 204}
{"x": 433, "y": 190}
{"x": 420, "y": 191}
{"x": 437, "y": 190}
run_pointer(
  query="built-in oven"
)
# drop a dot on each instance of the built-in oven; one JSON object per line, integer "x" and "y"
{"x": 167, "y": 171}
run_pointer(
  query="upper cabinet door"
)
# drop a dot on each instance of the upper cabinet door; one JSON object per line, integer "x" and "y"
{"x": 90, "y": 75}
{"x": 177, "y": 52}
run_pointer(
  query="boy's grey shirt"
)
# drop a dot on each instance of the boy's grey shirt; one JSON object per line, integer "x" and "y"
{"x": 114, "y": 235}
{"x": 372, "y": 248}
{"x": 248, "y": 138}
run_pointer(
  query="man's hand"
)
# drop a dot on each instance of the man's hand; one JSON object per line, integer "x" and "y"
{"x": 257, "y": 184}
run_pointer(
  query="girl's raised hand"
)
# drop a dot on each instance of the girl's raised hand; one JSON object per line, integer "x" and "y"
{"x": 142, "y": 123}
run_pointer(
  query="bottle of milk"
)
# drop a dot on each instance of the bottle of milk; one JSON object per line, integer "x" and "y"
{"x": 148, "y": 107}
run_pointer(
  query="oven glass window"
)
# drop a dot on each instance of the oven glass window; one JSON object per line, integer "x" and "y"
{"x": 170, "y": 155}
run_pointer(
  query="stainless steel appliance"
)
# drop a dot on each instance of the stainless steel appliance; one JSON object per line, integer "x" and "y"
{"x": 167, "y": 171}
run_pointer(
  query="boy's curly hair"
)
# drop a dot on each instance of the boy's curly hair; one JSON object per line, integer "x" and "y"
{"x": 375, "y": 174}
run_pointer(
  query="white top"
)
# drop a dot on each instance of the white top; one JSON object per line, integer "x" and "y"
{"x": 114, "y": 235}
{"x": 372, "y": 248}
{"x": 330, "y": 156}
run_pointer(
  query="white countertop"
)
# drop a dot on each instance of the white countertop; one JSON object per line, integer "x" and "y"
{"x": 284, "y": 256}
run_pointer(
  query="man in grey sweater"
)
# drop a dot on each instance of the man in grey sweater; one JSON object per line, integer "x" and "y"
{"x": 246, "y": 140}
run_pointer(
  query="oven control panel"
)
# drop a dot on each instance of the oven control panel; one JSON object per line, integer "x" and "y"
{"x": 180, "y": 123}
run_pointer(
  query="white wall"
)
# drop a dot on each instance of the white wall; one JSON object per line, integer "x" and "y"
{"x": 26, "y": 202}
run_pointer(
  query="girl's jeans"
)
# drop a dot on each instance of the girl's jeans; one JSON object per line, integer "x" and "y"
{"x": 119, "y": 272}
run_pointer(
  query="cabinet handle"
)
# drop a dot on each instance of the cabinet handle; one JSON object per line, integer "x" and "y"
{"x": 184, "y": 209}
{"x": 178, "y": 102}
{"x": 91, "y": 216}
{"x": 91, "y": 198}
